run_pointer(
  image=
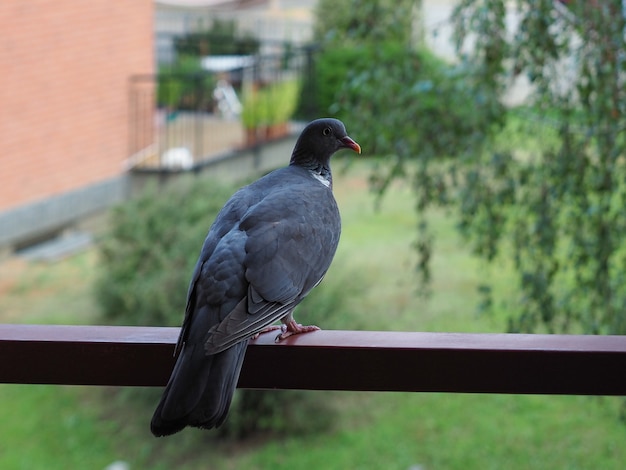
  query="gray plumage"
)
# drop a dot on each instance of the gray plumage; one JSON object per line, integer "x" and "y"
{"x": 271, "y": 243}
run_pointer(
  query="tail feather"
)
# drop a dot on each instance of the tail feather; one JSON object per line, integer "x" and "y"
{"x": 199, "y": 391}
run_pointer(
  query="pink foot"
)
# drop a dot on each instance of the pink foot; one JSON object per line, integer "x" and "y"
{"x": 267, "y": 329}
{"x": 293, "y": 328}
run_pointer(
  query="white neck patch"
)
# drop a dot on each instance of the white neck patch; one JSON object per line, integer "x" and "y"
{"x": 321, "y": 179}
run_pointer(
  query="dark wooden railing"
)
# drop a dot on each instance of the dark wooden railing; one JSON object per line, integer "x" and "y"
{"x": 327, "y": 360}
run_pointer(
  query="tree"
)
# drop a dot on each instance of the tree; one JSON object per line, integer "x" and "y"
{"x": 404, "y": 103}
{"x": 556, "y": 212}
{"x": 351, "y": 22}
{"x": 559, "y": 214}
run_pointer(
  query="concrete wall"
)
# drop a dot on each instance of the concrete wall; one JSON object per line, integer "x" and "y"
{"x": 42, "y": 219}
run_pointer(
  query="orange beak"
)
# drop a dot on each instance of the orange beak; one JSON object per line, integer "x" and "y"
{"x": 351, "y": 144}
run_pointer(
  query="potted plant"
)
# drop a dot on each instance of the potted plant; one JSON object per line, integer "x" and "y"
{"x": 253, "y": 115}
{"x": 266, "y": 111}
{"x": 282, "y": 99}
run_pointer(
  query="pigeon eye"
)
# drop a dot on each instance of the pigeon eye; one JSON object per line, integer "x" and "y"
{"x": 326, "y": 131}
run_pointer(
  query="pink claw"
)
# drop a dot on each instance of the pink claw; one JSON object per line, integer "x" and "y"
{"x": 293, "y": 328}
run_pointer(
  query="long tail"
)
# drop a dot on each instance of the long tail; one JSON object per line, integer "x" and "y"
{"x": 199, "y": 391}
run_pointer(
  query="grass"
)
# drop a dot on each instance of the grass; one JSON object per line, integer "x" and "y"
{"x": 69, "y": 427}
{"x": 58, "y": 293}
{"x": 48, "y": 427}
{"x": 402, "y": 431}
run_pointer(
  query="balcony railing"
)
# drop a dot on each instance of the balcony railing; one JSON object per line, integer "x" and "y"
{"x": 327, "y": 360}
{"x": 181, "y": 121}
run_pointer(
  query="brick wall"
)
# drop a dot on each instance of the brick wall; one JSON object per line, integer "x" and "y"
{"x": 64, "y": 69}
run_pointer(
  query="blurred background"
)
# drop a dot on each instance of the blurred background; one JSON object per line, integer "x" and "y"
{"x": 489, "y": 198}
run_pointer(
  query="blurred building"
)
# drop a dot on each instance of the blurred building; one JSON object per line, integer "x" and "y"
{"x": 67, "y": 68}
{"x": 64, "y": 99}
{"x": 270, "y": 21}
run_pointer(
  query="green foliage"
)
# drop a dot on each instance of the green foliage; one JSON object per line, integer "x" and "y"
{"x": 560, "y": 212}
{"x": 222, "y": 38}
{"x": 333, "y": 66}
{"x": 349, "y": 32}
{"x": 352, "y": 22}
{"x": 402, "y": 102}
{"x": 46, "y": 427}
{"x": 273, "y": 104}
{"x": 150, "y": 252}
{"x": 283, "y": 97}
{"x": 185, "y": 85}
{"x": 56, "y": 427}
{"x": 556, "y": 212}
{"x": 254, "y": 113}
{"x": 355, "y": 37}
{"x": 413, "y": 105}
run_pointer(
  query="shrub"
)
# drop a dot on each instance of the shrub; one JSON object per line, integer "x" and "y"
{"x": 333, "y": 65}
{"x": 149, "y": 254}
{"x": 402, "y": 101}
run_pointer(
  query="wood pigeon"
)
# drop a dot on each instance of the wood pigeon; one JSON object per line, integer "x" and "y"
{"x": 269, "y": 246}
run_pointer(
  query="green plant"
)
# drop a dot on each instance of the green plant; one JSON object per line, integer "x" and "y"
{"x": 273, "y": 104}
{"x": 150, "y": 251}
{"x": 556, "y": 213}
{"x": 184, "y": 85}
{"x": 332, "y": 66}
{"x": 565, "y": 236}
{"x": 281, "y": 100}
{"x": 56, "y": 427}
{"x": 425, "y": 116}
{"x": 349, "y": 33}
{"x": 254, "y": 113}
{"x": 222, "y": 38}
{"x": 353, "y": 22}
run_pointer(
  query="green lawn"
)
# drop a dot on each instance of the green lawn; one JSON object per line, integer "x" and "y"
{"x": 69, "y": 427}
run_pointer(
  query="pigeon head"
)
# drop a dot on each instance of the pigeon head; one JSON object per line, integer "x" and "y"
{"x": 319, "y": 140}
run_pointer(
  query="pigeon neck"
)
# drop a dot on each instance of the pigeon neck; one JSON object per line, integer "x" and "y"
{"x": 320, "y": 170}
